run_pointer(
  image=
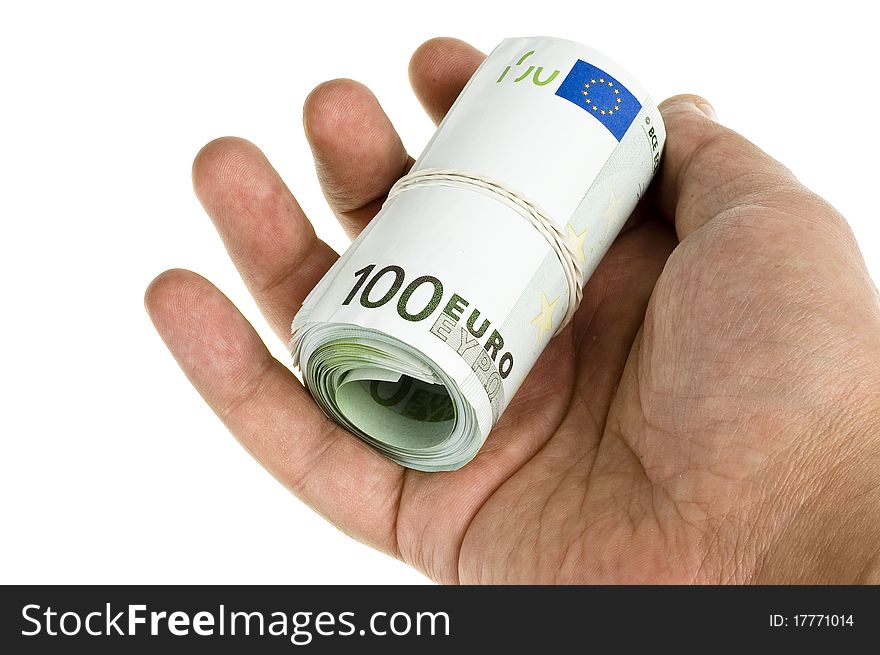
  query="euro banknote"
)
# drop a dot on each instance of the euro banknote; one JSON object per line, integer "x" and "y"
{"x": 421, "y": 333}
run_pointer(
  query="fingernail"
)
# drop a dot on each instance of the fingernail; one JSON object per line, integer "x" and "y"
{"x": 706, "y": 109}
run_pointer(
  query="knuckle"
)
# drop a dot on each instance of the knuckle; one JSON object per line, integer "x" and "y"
{"x": 724, "y": 171}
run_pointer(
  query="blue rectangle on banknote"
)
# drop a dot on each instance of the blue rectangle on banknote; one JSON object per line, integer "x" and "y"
{"x": 601, "y": 96}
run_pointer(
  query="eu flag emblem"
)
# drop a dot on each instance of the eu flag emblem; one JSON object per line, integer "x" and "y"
{"x": 600, "y": 95}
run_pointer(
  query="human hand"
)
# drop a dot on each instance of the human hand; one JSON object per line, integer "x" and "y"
{"x": 712, "y": 414}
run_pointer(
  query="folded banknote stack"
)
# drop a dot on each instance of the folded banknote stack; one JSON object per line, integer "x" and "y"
{"x": 421, "y": 333}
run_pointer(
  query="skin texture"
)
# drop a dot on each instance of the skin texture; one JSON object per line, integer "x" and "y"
{"x": 711, "y": 415}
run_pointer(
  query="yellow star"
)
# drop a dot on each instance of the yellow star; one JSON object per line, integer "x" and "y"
{"x": 603, "y": 112}
{"x": 594, "y": 107}
{"x": 610, "y": 84}
{"x": 577, "y": 241}
{"x": 544, "y": 320}
{"x": 601, "y": 80}
{"x": 592, "y": 81}
{"x": 616, "y": 91}
{"x": 611, "y": 213}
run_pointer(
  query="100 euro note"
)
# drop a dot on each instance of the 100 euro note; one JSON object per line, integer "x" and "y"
{"x": 421, "y": 333}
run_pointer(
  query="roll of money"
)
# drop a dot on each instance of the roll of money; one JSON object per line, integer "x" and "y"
{"x": 424, "y": 329}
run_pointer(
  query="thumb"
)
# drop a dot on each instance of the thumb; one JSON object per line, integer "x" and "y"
{"x": 709, "y": 169}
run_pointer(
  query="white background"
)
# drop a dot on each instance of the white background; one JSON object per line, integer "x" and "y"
{"x": 112, "y": 468}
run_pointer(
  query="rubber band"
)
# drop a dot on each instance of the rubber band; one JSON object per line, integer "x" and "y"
{"x": 559, "y": 240}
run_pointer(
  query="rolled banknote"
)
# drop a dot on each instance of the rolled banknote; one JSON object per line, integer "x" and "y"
{"x": 424, "y": 329}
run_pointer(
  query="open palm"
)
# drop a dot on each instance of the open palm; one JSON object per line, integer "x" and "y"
{"x": 684, "y": 427}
